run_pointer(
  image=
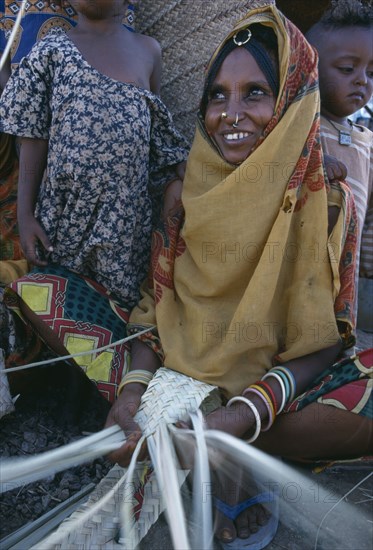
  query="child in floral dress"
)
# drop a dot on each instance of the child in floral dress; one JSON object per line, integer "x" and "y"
{"x": 86, "y": 106}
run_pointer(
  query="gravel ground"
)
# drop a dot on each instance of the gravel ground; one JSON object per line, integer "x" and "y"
{"x": 42, "y": 421}
{"x": 45, "y": 419}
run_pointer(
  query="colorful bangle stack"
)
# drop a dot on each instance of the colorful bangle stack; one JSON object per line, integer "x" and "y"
{"x": 251, "y": 405}
{"x": 286, "y": 380}
{"x": 262, "y": 390}
{"x": 138, "y": 376}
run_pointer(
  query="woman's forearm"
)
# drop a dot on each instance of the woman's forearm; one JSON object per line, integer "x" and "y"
{"x": 306, "y": 369}
{"x": 143, "y": 357}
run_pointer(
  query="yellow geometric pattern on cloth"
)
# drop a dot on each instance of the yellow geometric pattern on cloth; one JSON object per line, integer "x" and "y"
{"x": 95, "y": 367}
{"x": 37, "y": 296}
{"x": 100, "y": 365}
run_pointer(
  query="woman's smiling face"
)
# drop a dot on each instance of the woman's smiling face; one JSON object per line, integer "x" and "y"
{"x": 242, "y": 93}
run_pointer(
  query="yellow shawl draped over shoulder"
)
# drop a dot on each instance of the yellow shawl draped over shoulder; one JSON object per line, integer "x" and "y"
{"x": 250, "y": 275}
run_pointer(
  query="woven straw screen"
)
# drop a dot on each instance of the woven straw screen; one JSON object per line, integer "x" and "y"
{"x": 189, "y": 31}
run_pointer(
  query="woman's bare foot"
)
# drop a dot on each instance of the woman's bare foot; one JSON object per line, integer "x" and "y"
{"x": 230, "y": 521}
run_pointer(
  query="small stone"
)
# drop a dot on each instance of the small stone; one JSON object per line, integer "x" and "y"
{"x": 63, "y": 494}
{"x": 27, "y": 447}
{"x": 41, "y": 441}
{"x": 29, "y": 436}
{"x": 45, "y": 500}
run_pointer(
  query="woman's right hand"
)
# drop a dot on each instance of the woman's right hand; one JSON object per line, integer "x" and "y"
{"x": 122, "y": 412}
{"x": 31, "y": 232}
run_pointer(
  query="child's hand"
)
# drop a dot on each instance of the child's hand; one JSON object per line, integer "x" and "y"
{"x": 30, "y": 233}
{"x": 335, "y": 169}
{"x": 172, "y": 198}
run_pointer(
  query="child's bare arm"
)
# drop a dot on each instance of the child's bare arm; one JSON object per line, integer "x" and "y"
{"x": 172, "y": 194}
{"x": 172, "y": 198}
{"x": 33, "y": 159}
{"x": 155, "y": 77}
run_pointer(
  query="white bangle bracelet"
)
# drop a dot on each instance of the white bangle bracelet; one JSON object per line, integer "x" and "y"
{"x": 282, "y": 385}
{"x": 254, "y": 410}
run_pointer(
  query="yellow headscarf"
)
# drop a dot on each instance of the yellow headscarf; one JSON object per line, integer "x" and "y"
{"x": 252, "y": 275}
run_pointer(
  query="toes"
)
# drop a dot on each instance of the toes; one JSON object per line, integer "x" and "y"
{"x": 224, "y": 528}
{"x": 242, "y": 526}
{"x": 262, "y": 515}
{"x": 251, "y": 520}
{"x": 226, "y": 535}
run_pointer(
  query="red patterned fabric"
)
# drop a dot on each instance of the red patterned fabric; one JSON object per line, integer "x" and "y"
{"x": 81, "y": 315}
{"x": 347, "y": 385}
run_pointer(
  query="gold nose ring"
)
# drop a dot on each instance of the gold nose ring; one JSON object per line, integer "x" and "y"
{"x": 224, "y": 115}
{"x": 235, "y": 123}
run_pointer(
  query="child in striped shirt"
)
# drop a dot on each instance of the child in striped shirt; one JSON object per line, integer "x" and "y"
{"x": 343, "y": 38}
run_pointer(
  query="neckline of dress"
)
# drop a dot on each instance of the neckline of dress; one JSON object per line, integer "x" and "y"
{"x": 102, "y": 75}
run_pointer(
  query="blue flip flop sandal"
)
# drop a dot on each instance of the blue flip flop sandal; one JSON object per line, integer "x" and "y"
{"x": 265, "y": 534}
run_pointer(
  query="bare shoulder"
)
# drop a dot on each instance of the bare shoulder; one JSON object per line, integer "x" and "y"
{"x": 148, "y": 44}
{"x": 149, "y": 51}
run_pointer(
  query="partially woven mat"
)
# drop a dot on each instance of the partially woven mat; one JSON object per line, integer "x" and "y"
{"x": 170, "y": 397}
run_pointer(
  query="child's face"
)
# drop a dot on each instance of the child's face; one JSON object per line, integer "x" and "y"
{"x": 99, "y": 9}
{"x": 346, "y": 70}
{"x": 241, "y": 92}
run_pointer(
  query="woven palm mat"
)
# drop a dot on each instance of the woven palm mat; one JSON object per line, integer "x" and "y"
{"x": 170, "y": 397}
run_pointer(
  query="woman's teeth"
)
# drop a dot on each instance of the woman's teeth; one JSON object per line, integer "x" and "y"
{"x": 236, "y": 136}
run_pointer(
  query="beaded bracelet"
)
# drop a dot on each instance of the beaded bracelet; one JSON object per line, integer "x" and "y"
{"x": 271, "y": 374}
{"x": 257, "y": 390}
{"x": 291, "y": 379}
{"x": 139, "y": 376}
{"x": 254, "y": 410}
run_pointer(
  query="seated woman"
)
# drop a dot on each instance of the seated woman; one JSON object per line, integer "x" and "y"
{"x": 252, "y": 282}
